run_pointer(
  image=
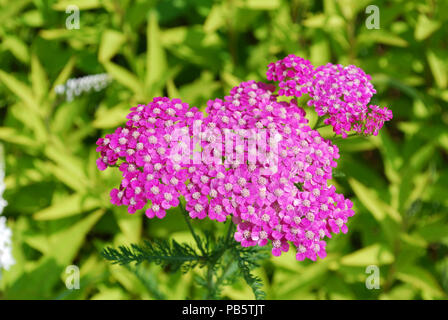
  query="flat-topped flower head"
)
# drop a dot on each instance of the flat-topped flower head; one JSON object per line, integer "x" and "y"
{"x": 279, "y": 205}
{"x": 339, "y": 93}
{"x": 142, "y": 151}
{"x": 342, "y": 94}
{"x": 294, "y": 74}
{"x": 255, "y": 157}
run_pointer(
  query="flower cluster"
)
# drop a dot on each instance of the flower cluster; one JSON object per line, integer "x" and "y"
{"x": 143, "y": 148}
{"x": 340, "y": 94}
{"x": 6, "y": 258}
{"x": 293, "y": 74}
{"x": 256, "y": 159}
{"x": 77, "y": 86}
{"x": 286, "y": 203}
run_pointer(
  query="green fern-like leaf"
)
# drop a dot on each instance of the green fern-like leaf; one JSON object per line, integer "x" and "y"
{"x": 170, "y": 255}
{"x": 148, "y": 280}
{"x": 247, "y": 259}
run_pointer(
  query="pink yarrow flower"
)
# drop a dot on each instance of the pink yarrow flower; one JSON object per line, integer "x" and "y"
{"x": 277, "y": 192}
{"x": 342, "y": 95}
{"x": 150, "y": 176}
{"x": 284, "y": 205}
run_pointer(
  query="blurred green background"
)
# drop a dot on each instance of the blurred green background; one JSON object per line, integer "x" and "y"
{"x": 196, "y": 50}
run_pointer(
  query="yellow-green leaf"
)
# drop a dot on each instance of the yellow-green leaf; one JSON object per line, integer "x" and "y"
{"x": 125, "y": 77}
{"x": 39, "y": 78}
{"x": 371, "y": 201}
{"x": 20, "y": 89}
{"x": 438, "y": 68}
{"x": 111, "y": 41}
{"x": 373, "y": 255}
{"x": 425, "y": 27}
{"x": 155, "y": 58}
{"x": 68, "y": 206}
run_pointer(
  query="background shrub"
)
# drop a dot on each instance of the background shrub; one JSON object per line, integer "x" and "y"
{"x": 59, "y": 207}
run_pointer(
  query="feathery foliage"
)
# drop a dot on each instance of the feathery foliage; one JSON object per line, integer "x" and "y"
{"x": 248, "y": 259}
{"x": 169, "y": 254}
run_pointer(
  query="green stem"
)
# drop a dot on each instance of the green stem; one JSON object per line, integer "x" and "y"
{"x": 212, "y": 260}
{"x": 348, "y": 136}
{"x": 190, "y": 227}
{"x": 319, "y": 123}
{"x": 224, "y": 273}
{"x": 229, "y": 232}
{"x": 232, "y": 36}
{"x": 352, "y": 40}
{"x": 211, "y": 285}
